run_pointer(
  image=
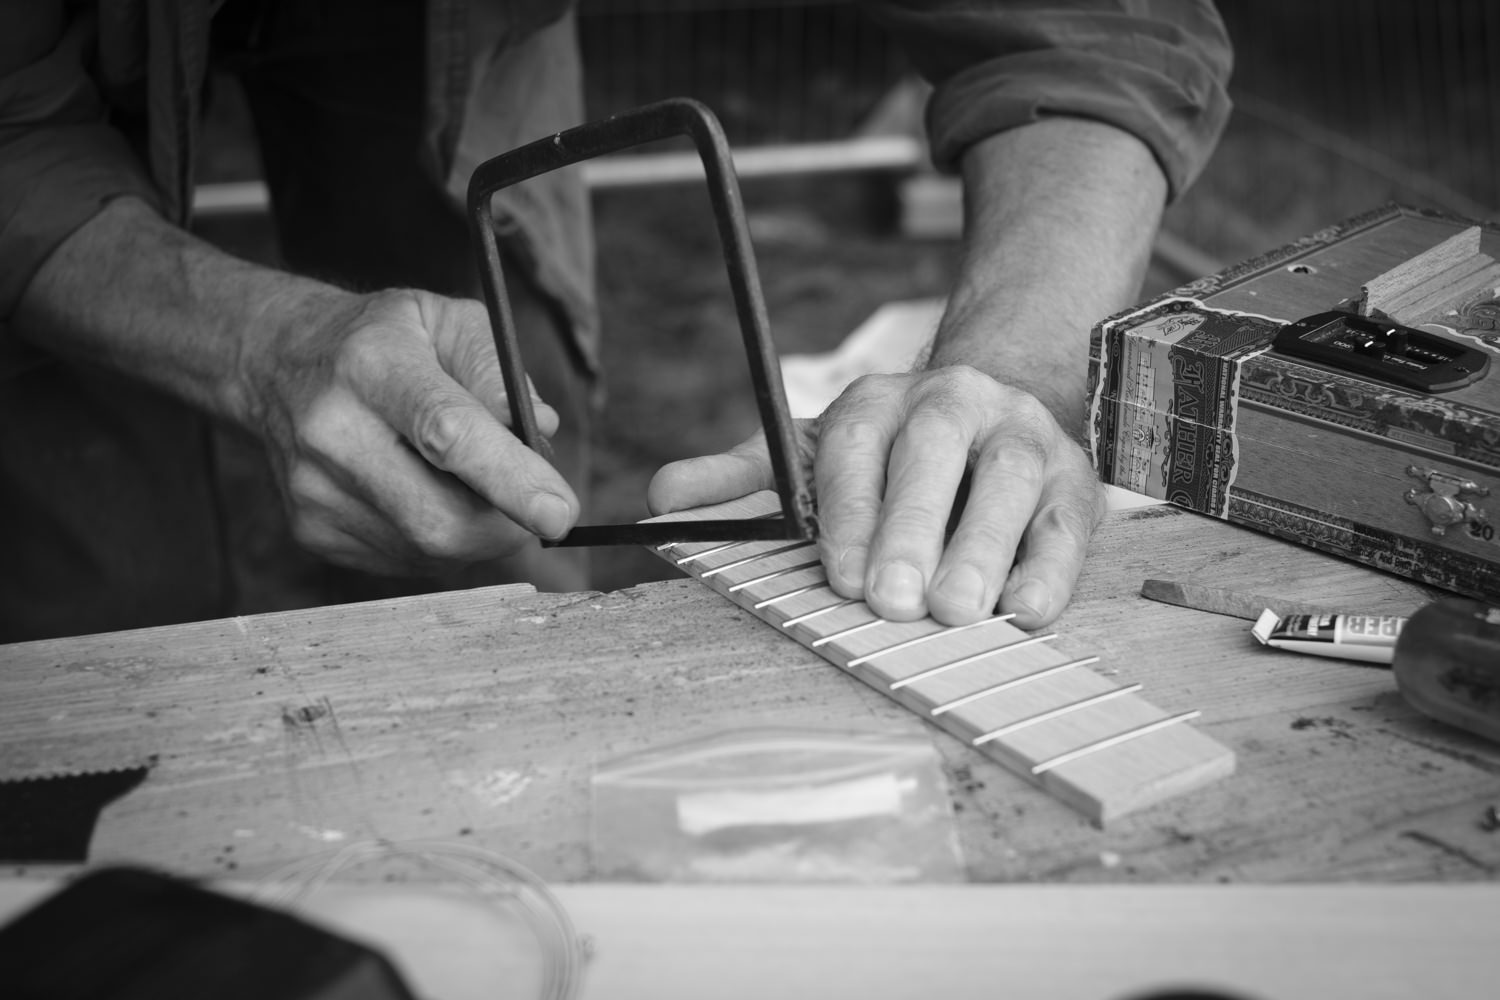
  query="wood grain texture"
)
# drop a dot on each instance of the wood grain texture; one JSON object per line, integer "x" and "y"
{"x": 480, "y": 716}
{"x": 1443, "y": 278}
{"x": 1009, "y": 693}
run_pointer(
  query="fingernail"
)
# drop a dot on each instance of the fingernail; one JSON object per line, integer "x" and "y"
{"x": 549, "y": 515}
{"x": 852, "y": 565}
{"x": 1033, "y": 595}
{"x": 899, "y": 584}
{"x": 962, "y": 586}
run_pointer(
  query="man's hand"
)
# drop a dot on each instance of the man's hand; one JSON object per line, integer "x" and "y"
{"x": 385, "y": 418}
{"x": 384, "y": 415}
{"x": 891, "y": 456}
{"x": 908, "y": 440}
{"x": 1059, "y": 221}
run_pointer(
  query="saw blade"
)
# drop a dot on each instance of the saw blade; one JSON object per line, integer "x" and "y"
{"x": 51, "y": 817}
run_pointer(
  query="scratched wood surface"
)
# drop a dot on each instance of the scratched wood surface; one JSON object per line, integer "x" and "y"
{"x": 480, "y": 715}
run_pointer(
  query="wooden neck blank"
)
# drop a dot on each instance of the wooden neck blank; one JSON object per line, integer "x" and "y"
{"x": 1040, "y": 712}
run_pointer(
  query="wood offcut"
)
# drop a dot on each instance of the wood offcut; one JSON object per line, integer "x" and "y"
{"x": 1437, "y": 281}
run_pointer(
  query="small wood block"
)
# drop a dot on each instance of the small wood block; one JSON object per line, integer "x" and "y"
{"x": 1091, "y": 742}
{"x": 1444, "y": 278}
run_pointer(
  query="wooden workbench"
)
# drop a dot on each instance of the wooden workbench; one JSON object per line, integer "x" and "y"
{"x": 480, "y": 716}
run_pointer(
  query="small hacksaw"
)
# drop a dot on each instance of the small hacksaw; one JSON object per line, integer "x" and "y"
{"x": 662, "y": 120}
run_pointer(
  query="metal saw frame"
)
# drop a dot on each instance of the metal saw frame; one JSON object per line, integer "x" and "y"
{"x": 662, "y": 120}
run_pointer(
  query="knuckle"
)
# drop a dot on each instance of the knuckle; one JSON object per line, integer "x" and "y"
{"x": 1032, "y": 412}
{"x": 862, "y": 399}
{"x": 851, "y": 433}
{"x": 869, "y": 388}
{"x": 857, "y": 514}
{"x": 441, "y": 431}
{"x": 1063, "y": 520}
{"x": 956, "y": 385}
{"x": 962, "y": 378}
{"x": 962, "y": 391}
{"x": 1019, "y": 456}
{"x": 1077, "y": 514}
{"x": 362, "y": 355}
{"x": 944, "y": 426}
{"x": 320, "y": 428}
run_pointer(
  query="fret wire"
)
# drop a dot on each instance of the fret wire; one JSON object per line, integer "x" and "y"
{"x": 1056, "y": 668}
{"x": 1052, "y": 713}
{"x": 845, "y": 633}
{"x": 704, "y": 553}
{"x": 774, "y": 574}
{"x": 1111, "y": 741}
{"x": 942, "y": 668}
{"x": 736, "y": 564}
{"x": 787, "y": 596}
{"x": 814, "y": 614}
{"x": 924, "y": 638}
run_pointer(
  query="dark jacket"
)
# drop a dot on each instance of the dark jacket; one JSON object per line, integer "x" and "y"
{"x": 101, "y": 100}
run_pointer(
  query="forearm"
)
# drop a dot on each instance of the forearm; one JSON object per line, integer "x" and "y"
{"x": 133, "y": 293}
{"x": 1059, "y": 220}
{"x": 381, "y": 413}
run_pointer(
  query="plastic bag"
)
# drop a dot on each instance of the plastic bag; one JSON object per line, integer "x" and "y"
{"x": 771, "y": 805}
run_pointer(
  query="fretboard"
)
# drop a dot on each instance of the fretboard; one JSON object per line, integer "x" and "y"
{"x": 1092, "y": 741}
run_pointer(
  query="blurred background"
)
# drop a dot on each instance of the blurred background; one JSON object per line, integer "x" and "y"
{"x": 1340, "y": 106}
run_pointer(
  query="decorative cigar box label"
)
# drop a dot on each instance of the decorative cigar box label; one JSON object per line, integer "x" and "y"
{"x": 1191, "y": 401}
{"x": 1163, "y": 419}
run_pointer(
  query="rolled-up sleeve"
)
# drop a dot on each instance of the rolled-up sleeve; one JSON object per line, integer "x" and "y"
{"x": 1155, "y": 68}
{"x": 60, "y": 161}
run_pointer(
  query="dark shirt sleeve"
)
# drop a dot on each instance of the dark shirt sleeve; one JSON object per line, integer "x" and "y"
{"x": 60, "y": 161}
{"x": 1155, "y": 68}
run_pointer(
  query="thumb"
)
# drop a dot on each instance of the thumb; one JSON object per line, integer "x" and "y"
{"x": 694, "y": 482}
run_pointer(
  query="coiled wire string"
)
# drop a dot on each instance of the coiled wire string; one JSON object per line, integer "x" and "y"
{"x": 495, "y": 880}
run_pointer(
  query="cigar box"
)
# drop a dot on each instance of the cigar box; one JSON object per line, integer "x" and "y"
{"x": 1370, "y": 429}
